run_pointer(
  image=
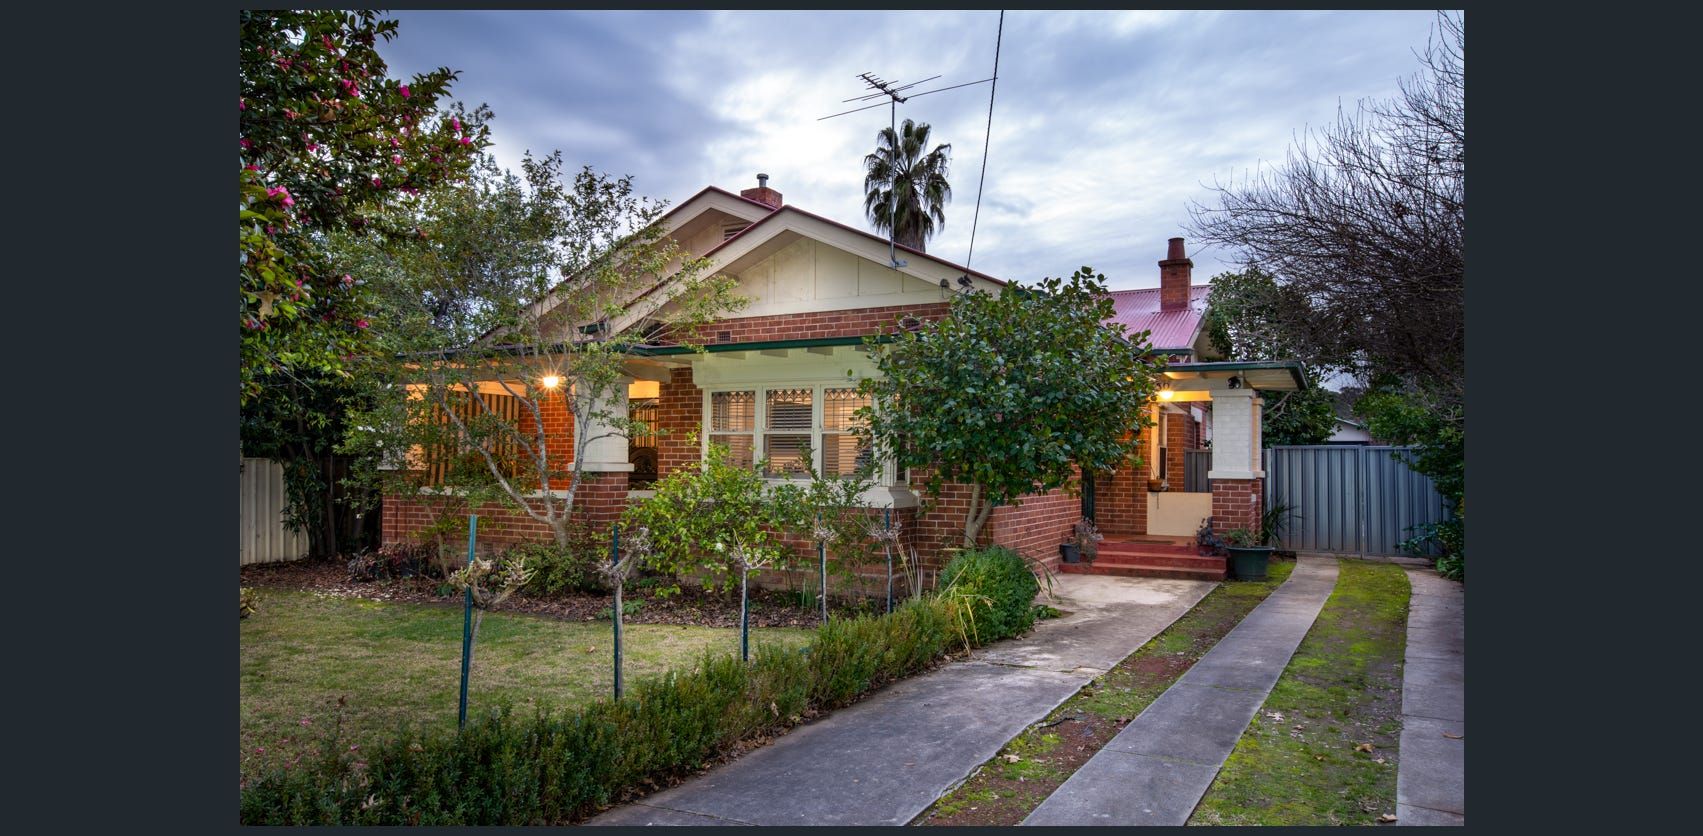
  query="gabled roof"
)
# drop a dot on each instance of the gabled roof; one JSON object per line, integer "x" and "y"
{"x": 1139, "y": 311}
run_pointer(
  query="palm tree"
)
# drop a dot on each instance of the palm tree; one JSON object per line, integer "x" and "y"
{"x": 899, "y": 164}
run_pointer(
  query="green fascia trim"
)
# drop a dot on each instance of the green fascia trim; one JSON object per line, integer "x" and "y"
{"x": 770, "y": 345}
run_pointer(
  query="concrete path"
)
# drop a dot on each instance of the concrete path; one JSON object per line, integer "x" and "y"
{"x": 887, "y": 758}
{"x": 1155, "y": 771}
{"x": 1431, "y": 772}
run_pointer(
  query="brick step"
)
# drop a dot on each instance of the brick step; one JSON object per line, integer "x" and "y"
{"x": 1136, "y": 571}
{"x": 1183, "y": 561}
{"x": 1109, "y": 547}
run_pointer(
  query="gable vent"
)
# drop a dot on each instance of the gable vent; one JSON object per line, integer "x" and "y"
{"x": 732, "y": 229}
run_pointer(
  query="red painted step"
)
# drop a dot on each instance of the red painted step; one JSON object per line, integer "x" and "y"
{"x": 1109, "y": 547}
{"x": 1180, "y": 561}
{"x": 1136, "y": 570}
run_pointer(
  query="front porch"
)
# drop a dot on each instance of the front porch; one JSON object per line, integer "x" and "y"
{"x": 1201, "y": 465}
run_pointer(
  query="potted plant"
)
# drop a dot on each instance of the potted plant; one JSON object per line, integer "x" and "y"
{"x": 1088, "y": 539}
{"x": 1249, "y": 555}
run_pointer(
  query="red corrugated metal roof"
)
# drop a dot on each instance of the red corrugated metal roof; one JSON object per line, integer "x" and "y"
{"x": 1139, "y": 311}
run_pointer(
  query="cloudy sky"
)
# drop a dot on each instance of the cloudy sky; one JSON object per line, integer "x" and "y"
{"x": 1106, "y": 125}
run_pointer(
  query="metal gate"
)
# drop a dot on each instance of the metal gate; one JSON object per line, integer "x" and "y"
{"x": 1349, "y": 500}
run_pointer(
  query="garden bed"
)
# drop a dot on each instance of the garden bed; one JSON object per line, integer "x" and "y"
{"x": 691, "y": 606}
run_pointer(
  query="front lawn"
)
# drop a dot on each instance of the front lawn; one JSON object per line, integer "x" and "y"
{"x": 1322, "y": 750}
{"x": 395, "y": 662}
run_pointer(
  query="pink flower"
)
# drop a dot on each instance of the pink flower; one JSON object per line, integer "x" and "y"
{"x": 245, "y": 143}
{"x": 241, "y": 105}
{"x": 251, "y": 167}
{"x": 289, "y": 114}
{"x": 466, "y": 140}
{"x": 396, "y": 143}
{"x": 377, "y": 182}
{"x": 260, "y": 750}
{"x": 396, "y": 159}
{"x": 405, "y": 91}
{"x": 348, "y": 280}
{"x": 313, "y": 146}
{"x": 457, "y": 123}
{"x": 361, "y": 323}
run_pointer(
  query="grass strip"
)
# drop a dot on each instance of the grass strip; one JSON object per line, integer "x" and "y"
{"x": 1007, "y": 788}
{"x": 1322, "y": 750}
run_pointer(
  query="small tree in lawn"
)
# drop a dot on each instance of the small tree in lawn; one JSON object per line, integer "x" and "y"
{"x": 1011, "y": 393}
{"x": 716, "y": 522}
{"x": 486, "y": 337}
{"x": 491, "y": 582}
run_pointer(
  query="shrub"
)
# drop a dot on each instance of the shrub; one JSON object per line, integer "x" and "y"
{"x": 1002, "y": 576}
{"x": 556, "y": 768}
{"x": 250, "y": 602}
{"x": 571, "y": 568}
{"x": 395, "y": 560}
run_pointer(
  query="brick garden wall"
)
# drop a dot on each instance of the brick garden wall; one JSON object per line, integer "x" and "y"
{"x": 1236, "y": 503}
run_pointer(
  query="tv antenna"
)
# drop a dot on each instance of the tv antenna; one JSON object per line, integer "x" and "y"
{"x": 890, "y": 91}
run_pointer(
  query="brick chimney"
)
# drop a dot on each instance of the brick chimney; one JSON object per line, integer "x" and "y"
{"x": 763, "y": 194}
{"x": 1175, "y": 273}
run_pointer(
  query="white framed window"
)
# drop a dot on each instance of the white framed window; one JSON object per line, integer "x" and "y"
{"x": 790, "y": 425}
{"x": 733, "y": 422}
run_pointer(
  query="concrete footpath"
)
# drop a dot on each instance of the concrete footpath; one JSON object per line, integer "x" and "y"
{"x": 1431, "y": 772}
{"x": 1155, "y": 771}
{"x": 885, "y": 759}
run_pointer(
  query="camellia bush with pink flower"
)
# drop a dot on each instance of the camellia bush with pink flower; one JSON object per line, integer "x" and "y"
{"x": 328, "y": 143}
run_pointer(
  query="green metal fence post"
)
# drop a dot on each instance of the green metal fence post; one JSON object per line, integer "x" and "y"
{"x": 467, "y": 622}
{"x": 615, "y": 558}
{"x": 887, "y": 525}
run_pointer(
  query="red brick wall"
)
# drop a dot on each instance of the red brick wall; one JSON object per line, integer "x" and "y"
{"x": 807, "y": 326}
{"x": 1035, "y": 528}
{"x": 599, "y": 501}
{"x": 1120, "y": 501}
{"x": 1236, "y": 503}
{"x": 680, "y": 411}
{"x": 1176, "y": 441}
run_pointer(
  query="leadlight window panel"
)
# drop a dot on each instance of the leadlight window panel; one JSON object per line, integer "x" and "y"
{"x": 733, "y": 412}
{"x": 843, "y": 452}
{"x": 839, "y": 409}
{"x": 789, "y": 410}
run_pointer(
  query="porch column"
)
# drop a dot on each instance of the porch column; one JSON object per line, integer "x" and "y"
{"x": 602, "y": 494}
{"x": 609, "y": 453}
{"x": 1238, "y": 479}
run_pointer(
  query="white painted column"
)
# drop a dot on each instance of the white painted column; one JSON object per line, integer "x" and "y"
{"x": 607, "y": 454}
{"x": 1236, "y": 434}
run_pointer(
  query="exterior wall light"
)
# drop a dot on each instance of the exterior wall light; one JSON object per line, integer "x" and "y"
{"x": 550, "y": 381}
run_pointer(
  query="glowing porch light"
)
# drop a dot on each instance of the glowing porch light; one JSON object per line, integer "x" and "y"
{"x": 550, "y": 381}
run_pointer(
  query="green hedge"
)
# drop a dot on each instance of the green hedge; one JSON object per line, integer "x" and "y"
{"x": 556, "y": 768}
{"x": 1002, "y": 579}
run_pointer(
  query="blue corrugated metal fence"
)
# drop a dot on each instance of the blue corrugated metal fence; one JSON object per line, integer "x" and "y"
{"x": 1349, "y": 500}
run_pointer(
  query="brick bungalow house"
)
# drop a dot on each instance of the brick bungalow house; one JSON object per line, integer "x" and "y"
{"x": 779, "y": 381}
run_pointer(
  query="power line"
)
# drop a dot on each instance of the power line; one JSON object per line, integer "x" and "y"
{"x": 976, "y": 219}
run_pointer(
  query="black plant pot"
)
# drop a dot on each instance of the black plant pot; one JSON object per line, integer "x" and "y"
{"x": 1249, "y": 563}
{"x": 1070, "y": 552}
